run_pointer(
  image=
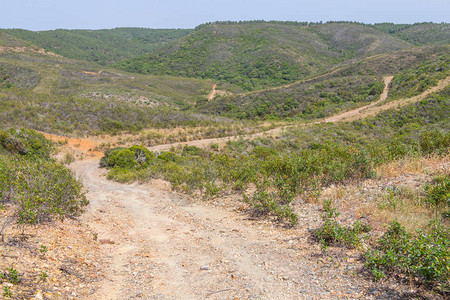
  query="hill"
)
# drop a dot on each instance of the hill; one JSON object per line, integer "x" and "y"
{"x": 24, "y": 65}
{"x": 257, "y": 54}
{"x": 419, "y": 33}
{"x": 104, "y": 46}
{"x": 345, "y": 87}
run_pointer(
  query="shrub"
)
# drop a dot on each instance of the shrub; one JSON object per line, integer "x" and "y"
{"x": 191, "y": 150}
{"x": 6, "y": 179}
{"x": 26, "y": 142}
{"x": 333, "y": 233}
{"x": 124, "y": 158}
{"x": 104, "y": 161}
{"x": 434, "y": 141}
{"x": 68, "y": 159}
{"x": 272, "y": 202}
{"x": 438, "y": 192}
{"x": 44, "y": 191}
{"x": 263, "y": 152}
{"x": 423, "y": 257}
{"x": 142, "y": 155}
{"x": 168, "y": 156}
{"x": 37, "y": 188}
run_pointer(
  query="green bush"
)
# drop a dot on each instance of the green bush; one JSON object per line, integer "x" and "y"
{"x": 46, "y": 190}
{"x": 191, "y": 150}
{"x": 438, "y": 194}
{"x": 6, "y": 179}
{"x": 124, "y": 158}
{"x": 36, "y": 188}
{"x": 422, "y": 257}
{"x": 333, "y": 233}
{"x": 168, "y": 156}
{"x": 434, "y": 141}
{"x": 274, "y": 202}
{"x": 128, "y": 158}
{"x": 26, "y": 142}
{"x": 263, "y": 152}
{"x": 142, "y": 155}
{"x": 104, "y": 161}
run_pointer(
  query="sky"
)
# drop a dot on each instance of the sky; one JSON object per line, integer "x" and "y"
{"x": 97, "y": 14}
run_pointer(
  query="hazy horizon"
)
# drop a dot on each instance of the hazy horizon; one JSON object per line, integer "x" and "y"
{"x": 38, "y": 15}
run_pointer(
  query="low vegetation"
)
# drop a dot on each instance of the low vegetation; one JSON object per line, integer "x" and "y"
{"x": 256, "y": 54}
{"x": 280, "y": 171}
{"x": 34, "y": 188}
{"x": 52, "y": 75}
{"x": 104, "y": 46}
{"x": 265, "y": 71}
{"x": 84, "y": 116}
{"x": 333, "y": 233}
{"x": 414, "y": 81}
{"x": 422, "y": 258}
{"x": 344, "y": 88}
{"x": 308, "y": 100}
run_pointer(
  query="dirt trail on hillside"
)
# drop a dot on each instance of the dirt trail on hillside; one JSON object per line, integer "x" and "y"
{"x": 160, "y": 245}
{"x": 27, "y": 49}
{"x": 351, "y": 115}
{"x": 216, "y": 92}
{"x": 348, "y": 116}
{"x": 374, "y": 108}
{"x": 213, "y": 93}
{"x": 276, "y": 88}
{"x": 357, "y": 112}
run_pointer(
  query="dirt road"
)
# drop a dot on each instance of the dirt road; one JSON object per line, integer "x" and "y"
{"x": 355, "y": 113}
{"x": 160, "y": 245}
{"x": 213, "y": 93}
{"x": 351, "y": 115}
{"x": 348, "y": 116}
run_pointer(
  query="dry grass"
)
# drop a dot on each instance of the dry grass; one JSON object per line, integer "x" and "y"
{"x": 396, "y": 194}
{"x": 402, "y": 203}
{"x": 430, "y": 165}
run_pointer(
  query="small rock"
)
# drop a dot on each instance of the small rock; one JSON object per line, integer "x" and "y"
{"x": 106, "y": 241}
{"x": 48, "y": 295}
{"x": 303, "y": 291}
{"x": 205, "y": 268}
{"x": 38, "y": 295}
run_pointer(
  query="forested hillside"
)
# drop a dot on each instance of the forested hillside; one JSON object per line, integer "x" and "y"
{"x": 418, "y": 34}
{"x": 104, "y": 46}
{"x": 257, "y": 54}
{"x": 348, "y": 86}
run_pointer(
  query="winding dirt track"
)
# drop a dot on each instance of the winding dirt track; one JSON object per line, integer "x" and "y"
{"x": 160, "y": 245}
{"x": 166, "y": 247}
{"x": 348, "y": 116}
{"x": 213, "y": 93}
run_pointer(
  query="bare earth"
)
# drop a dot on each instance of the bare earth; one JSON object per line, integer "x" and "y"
{"x": 160, "y": 245}
{"x": 168, "y": 247}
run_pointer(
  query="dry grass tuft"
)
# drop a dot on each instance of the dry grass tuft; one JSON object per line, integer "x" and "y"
{"x": 430, "y": 165}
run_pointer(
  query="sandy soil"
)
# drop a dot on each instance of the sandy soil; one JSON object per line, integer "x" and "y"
{"x": 161, "y": 245}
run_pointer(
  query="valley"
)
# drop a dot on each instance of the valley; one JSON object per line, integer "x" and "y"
{"x": 236, "y": 160}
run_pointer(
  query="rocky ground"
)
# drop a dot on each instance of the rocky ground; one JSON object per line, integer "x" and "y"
{"x": 56, "y": 261}
{"x": 144, "y": 241}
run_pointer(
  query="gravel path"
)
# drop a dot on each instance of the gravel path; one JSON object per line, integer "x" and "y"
{"x": 160, "y": 245}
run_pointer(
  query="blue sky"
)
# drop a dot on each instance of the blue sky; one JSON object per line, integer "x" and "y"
{"x": 95, "y": 14}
